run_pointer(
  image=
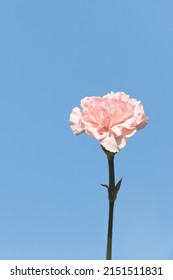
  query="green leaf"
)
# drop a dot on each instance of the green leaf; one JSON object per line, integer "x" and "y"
{"x": 103, "y": 185}
{"x": 118, "y": 185}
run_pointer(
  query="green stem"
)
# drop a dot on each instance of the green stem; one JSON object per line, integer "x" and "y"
{"x": 111, "y": 191}
{"x": 110, "y": 227}
{"x": 111, "y": 172}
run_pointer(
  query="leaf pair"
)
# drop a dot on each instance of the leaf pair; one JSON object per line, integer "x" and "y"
{"x": 113, "y": 191}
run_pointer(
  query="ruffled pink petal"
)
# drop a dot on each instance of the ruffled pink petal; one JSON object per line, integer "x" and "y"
{"x": 75, "y": 121}
{"x": 117, "y": 131}
{"x": 128, "y": 132}
{"x": 143, "y": 123}
{"x": 93, "y": 132}
{"x": 113, "y": 144}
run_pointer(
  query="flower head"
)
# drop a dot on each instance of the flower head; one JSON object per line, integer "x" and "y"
{"x": 110, "y": 119}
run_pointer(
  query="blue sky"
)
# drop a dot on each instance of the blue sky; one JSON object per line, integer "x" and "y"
{"x": 52, "y": 54}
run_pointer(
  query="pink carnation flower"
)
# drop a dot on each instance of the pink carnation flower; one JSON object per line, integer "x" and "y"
{"x": 110, "y": 119}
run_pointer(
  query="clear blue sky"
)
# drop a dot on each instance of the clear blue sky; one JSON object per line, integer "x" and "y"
{"x": 52, "y": 54}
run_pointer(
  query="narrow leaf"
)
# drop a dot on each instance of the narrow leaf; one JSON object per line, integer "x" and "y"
{"x": 118, "y": 185}
{"x": 103, "y": 185}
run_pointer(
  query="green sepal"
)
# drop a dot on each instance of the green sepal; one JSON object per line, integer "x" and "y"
{"x": 110, "y": 155}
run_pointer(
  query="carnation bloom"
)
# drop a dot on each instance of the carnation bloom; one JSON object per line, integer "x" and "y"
{"x": 110, "y": 119}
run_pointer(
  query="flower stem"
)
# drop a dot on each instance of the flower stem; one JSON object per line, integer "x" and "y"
{"x": 111, "y": 172}
{"x": 112, "y": 191}
{"x": 110, "y": 227}
{"x": 112, "y": 197}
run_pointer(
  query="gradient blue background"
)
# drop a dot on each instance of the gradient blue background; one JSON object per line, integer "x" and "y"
{"x": 52, "y": 54}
